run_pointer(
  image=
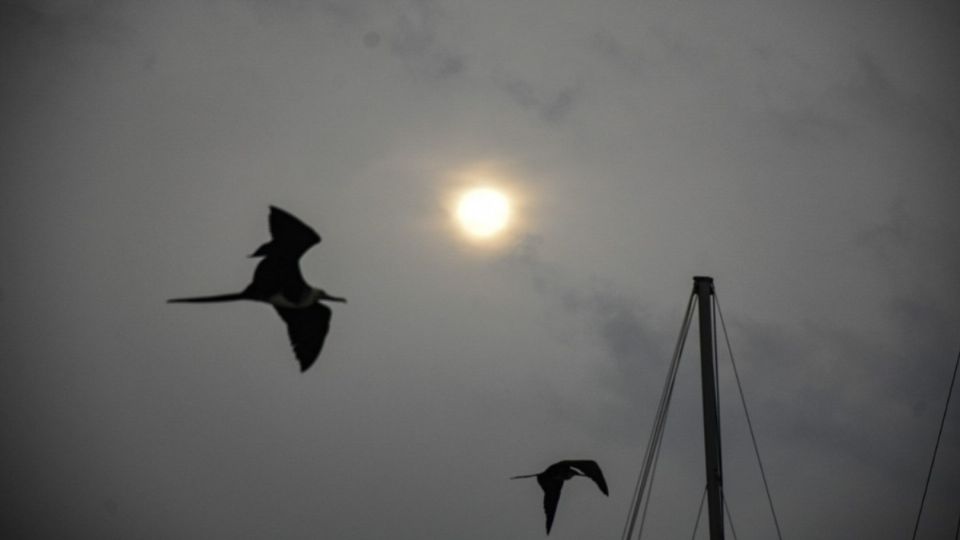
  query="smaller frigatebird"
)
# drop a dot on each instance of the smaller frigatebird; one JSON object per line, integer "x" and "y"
{"x": 278, "y": 281}
{"x": 552, "y": 479}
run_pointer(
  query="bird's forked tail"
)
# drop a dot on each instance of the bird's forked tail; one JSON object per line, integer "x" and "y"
{"x": 215, "y": 298}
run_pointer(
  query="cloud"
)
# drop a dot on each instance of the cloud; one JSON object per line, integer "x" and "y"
{"x": 612, "y": 49}
{"x": 550, "y": 105}
{"x": 644, "y": 160}
{"x": 97, "y": 21}
{"x": 908, "y": 249}
{"x": 893, "y": 230}
{"x": 416, "y": 30}
{"x": 413, "y": 37}
{"x": 346, "y": 12}
{"x": 872, "y": 91}
{"x": 618, "y": 322}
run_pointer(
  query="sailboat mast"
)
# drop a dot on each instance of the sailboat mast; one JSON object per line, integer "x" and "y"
{"x": 703, "y": 288}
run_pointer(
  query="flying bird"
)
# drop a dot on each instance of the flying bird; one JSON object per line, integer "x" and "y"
{"x": 277, "y": 281}
{"x": 552, "y": 479}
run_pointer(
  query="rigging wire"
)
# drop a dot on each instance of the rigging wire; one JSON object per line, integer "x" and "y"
{"x": 646, "y": 502}
{"x": 729, "y": 518}
{"x": 696, "y": 523}
{"x": 743, "y": 401}
{"x": 936, "y": 446}
{"x": 659, "y": 423}
{"x": 726, "y": 509}
{"x": 656, "y": 434}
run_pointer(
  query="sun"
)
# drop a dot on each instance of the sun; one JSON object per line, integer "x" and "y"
{"x": 483, "y": 212}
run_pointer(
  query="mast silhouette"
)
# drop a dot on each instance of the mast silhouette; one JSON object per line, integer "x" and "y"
{"x": 703, "y": 288}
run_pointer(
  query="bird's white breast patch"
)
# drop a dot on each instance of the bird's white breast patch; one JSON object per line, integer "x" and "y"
{"x": 279, "y": 300}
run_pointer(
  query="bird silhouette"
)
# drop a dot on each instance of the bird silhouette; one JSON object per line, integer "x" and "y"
{"x": 552, "y": 479}
{"x": 277, "y": 281}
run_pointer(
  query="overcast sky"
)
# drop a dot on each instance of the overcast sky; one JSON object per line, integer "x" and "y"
{"x": 803, "y": 153}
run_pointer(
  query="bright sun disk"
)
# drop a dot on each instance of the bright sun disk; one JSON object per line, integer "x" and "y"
{"x": 483, "y": 212}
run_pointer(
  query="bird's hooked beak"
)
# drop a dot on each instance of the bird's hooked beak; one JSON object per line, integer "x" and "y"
{"x": 328, "y": 298}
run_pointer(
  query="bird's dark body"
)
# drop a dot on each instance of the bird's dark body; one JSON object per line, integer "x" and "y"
{"x": 275, "y": 274}
{"x": 277, "y": 280}
{"x": 552, "y": 478}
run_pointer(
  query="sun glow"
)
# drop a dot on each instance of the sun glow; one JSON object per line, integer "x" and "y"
{"x": 483, "y": 212}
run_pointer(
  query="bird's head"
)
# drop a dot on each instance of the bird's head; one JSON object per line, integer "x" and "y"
{"x": 321, "y": 295}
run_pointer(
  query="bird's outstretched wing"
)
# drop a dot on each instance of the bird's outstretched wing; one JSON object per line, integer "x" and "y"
{"x": 591, "y": 470}
{"x": 551, "y": 496}
{"x": 307, "y": 328}
{"x": 290, "y": 236}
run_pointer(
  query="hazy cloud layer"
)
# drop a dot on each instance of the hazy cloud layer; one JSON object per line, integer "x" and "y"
{"x": 805, "y": 155}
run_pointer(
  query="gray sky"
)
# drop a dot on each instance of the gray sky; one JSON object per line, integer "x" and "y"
{"x": 805, "y": 154}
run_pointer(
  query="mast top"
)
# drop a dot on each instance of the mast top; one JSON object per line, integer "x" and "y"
{"x": 703, "y": 283}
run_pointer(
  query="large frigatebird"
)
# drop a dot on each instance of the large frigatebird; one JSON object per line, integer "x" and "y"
{"x": 552, "y": 479}
{"x": 278, "y": 281}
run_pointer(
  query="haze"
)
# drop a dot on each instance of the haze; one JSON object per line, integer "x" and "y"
{"x": 804, "y": 154}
